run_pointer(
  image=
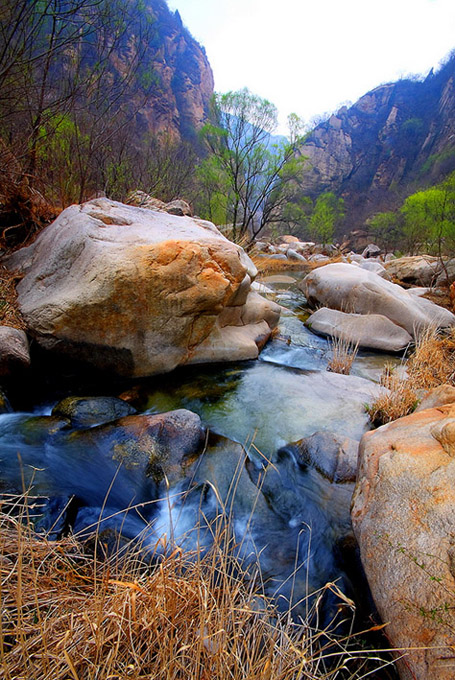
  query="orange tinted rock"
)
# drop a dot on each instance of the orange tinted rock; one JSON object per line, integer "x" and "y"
{"x": 136, "y": 291}
{"x": 403, "y": 514}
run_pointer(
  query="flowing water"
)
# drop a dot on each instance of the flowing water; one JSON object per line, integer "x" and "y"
{"x": 280, "y": 509}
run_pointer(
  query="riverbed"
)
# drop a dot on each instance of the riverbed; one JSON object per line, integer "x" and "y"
{"x": 282, "y": 512}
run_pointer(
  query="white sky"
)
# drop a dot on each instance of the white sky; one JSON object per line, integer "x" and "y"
{"x": 311, "y": 56}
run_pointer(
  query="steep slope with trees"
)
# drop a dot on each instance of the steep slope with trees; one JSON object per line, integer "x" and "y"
{"x": 395, "y": 139}
{"x": 95, "y": 95}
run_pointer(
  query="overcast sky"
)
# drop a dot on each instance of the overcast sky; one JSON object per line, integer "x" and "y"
{"x": 310, "y": 56}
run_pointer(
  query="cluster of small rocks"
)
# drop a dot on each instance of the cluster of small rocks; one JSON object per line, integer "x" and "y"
{"x": 176, "y": 207}
{"x": 290, "y": 248}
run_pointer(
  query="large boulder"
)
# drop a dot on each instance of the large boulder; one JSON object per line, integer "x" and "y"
{"x": 403, "y": 515}
{"x": 157, "y": 446}
{"x": 372, "y": 330}
{"x": 437, "y": 396}
{"x": 140, "y": 292}
{"x": 354, "y": 290}
{"x": 447, "y": 273}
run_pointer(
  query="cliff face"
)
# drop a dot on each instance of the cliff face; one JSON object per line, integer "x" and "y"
{"x": 183, "y": 79}
{"x": 395, "y": 139}
{"x": 168, "y": 76}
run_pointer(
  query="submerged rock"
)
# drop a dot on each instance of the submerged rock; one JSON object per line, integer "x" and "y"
{"x": 403, "y": 515}
{"x": 124, "y": 461}
{"x": 334, "y": 456}
{"x": 156, "y": 446}
{"x": 354, "y": 290}
{"x": 138, "y": 292}
{"x": 89, "y": 411}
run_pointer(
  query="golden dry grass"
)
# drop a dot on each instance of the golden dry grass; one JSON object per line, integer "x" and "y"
{"x": 344, "y": 352}
{"x": 9, "y": 310}
{"x": 399, "y": 400}
{"x": 433, "y": 361}
{"x": 66, "y": 615}
{"x": 431, "y": 364}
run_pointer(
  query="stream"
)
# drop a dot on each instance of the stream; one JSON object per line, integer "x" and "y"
{"x": 281, "y": 510}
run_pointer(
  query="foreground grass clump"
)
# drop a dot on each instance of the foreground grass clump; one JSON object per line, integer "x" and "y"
{"x": 66, "y": 614}
{"x": 344, "y": 352}
{"x": 431, "y": 364}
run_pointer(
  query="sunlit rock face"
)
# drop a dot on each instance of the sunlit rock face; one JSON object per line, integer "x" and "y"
{"x": 403, "y": 515}
{"x": 365, "y": 330}
{"x": 140, "y": 292}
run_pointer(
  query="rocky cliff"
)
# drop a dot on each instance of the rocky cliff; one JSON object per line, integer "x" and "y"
{"x": 183, "y": 79}
{"x": 154, "y": 71}
{"x": 393, "y": 140}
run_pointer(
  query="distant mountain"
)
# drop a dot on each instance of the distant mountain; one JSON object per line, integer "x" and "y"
{"x": 392, "y": 141}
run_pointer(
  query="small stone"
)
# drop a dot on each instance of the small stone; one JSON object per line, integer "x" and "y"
{"x": 14, "y": 350}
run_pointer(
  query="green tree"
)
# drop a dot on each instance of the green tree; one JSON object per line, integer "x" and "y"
{"x": 255, "y": 173}
{"x": 429, "y": 218}
{"x": 327, "y": 213}
{"x": 296, "y": 215}
{"x": 386, "y": 229}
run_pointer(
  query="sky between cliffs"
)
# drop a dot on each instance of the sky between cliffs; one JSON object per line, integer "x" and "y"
{"x": 312, "y": 56}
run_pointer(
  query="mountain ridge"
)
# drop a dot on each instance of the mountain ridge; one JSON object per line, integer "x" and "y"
{"x": 396, "y": 138}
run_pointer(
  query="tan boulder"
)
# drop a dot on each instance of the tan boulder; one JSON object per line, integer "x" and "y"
{"x": 351, "y": 289}
{"x": 287, "y": 238}
{"x": 368, "y": 330}
{"x": 403, "y": 514}
{"x": 438, "y": 396}
{"x": 137, "y": 291}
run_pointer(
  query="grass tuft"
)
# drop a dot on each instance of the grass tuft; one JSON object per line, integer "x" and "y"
{"x": 431, "y": 364}
{"x": 344, "y": 352}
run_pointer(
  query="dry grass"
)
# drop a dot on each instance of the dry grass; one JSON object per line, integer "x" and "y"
{"x": 344, "y": 352}
{"x": 433, "y": 361}
{"x": 66, "y": 615}
{"x": 431, "y": 364}
{"x": 399, "y": 400}
{"x": 9, "y": 310}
